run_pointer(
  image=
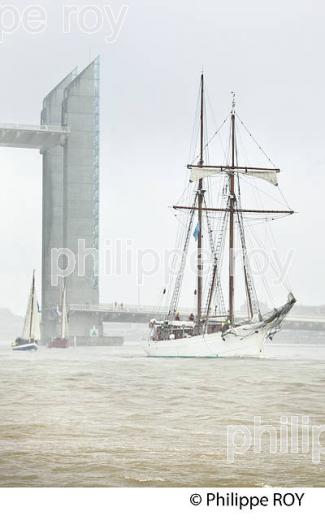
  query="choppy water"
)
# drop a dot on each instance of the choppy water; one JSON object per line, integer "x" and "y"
{"x": 113, "y": 417}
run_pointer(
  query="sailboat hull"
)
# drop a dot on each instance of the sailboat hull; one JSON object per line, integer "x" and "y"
{"x": 210, "y": 346}
{"x": 23, "y": 348}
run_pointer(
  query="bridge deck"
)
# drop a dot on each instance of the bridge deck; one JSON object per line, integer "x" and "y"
{"x": 41, "y": 137}
{"x": 129, "y": 312}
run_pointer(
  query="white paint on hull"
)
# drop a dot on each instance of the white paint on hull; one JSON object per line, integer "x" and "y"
{"x": 210, "y": 345}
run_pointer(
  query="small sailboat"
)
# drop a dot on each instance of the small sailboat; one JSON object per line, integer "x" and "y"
{"x": 215, "y": 328}
{"x": 62, "y": 340}
{"x": 31, "y": 332}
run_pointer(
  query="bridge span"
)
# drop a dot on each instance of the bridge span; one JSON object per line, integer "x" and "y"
{"x": 124, "y": 313}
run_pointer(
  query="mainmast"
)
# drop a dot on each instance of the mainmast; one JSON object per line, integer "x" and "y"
{"x": 232, "y": 199}
{"x": 200, "y": 193}
{"x": 32, "y": 307}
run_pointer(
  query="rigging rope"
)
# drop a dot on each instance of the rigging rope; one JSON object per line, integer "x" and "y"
{"x": 180, "y": 274}
{"x": 213, "y": 136}
{"x": 255, "y": 141}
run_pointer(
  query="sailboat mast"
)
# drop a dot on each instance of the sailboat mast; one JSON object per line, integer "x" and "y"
{"x": 63, "y": 311}
{"x": 200, "y": 202}
{"x": 32, "y": 308}
{"x": 231, "y": 219}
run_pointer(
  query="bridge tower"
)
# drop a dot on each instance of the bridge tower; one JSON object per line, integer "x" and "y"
{"x": 68, "y": 139}
{"x": 71, "y": 194}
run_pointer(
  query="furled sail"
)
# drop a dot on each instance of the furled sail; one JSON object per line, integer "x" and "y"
{"x": 267, "y": 174}
{"x": 31, "y": 329}
{"x": 198, "y": 172}
{"x": 64, "y": 315}
{"x": 35, "y": 328}
{"x": 26, "y": 328}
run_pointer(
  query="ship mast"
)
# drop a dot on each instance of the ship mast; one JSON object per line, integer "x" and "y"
{"x": 233, "y": 208}
{"x": 200, "y": 193}
{"x": 232, "y": 198}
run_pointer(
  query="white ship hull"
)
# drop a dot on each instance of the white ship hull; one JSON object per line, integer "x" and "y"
{"x": 210, "y": 345}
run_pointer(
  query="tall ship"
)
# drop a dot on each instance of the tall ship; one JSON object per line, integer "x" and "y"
{"x": 214, "y": 328}
{"x": 31, "y": 331}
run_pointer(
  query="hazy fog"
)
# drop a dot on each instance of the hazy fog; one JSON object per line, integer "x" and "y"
{"x": 270, "y": 53}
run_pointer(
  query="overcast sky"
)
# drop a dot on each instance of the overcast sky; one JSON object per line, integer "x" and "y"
{"x": 270, "y": 53}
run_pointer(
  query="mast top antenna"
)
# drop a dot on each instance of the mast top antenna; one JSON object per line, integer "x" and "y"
{"x": 233, "y": 104}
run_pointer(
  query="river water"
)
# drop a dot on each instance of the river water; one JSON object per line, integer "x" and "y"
{"x": 113, "y": 417}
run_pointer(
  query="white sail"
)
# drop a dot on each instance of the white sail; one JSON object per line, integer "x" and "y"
{"x": 266, "y": 175}
{"x": 269, "y": 175}
{"x": 26, "y": 328}
{"x": 36, "y": 329}
{"x": 31, "y": 329}
{"x": 64, "y": 315}
{"x": 199, "y": 172}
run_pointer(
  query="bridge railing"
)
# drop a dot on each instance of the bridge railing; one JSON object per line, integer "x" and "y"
{"x": 127, "y": 308}
{"x": 47, "y": 128}
{"x": 120, "y": 308}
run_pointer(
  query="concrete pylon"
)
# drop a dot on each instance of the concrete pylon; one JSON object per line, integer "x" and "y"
{"x": 68, "y": 139}
{"x": 71, "y": 199}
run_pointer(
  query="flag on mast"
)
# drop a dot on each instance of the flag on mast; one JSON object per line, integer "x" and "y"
{"x": 196, "y": 231}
